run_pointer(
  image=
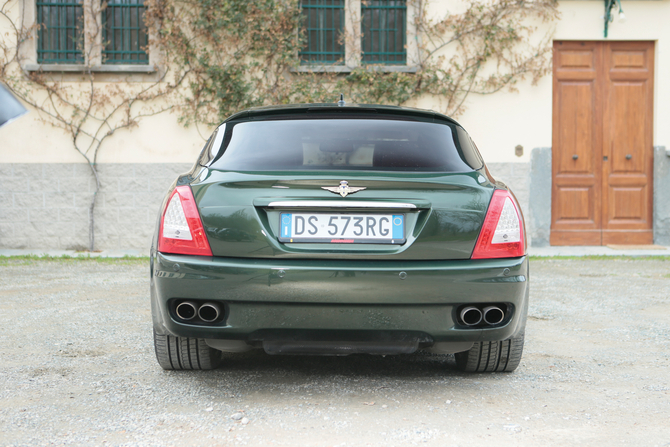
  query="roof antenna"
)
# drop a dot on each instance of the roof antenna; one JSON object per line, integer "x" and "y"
{"x": 341, "y": 102}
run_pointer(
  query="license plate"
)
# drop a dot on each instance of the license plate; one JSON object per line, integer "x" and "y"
{"x": 342, "y": 228}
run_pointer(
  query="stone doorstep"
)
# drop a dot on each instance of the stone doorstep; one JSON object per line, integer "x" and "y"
{"x": 75, "y": 254}
{"x": 636, "y": 247}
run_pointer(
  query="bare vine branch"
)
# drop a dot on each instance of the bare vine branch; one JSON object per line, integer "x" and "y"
{"x": 89, "y": 111}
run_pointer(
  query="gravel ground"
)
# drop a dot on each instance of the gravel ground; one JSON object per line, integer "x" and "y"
{"x": 78, "y": 368}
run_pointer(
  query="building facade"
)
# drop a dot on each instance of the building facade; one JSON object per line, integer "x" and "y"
{"x": 584, "y": 149}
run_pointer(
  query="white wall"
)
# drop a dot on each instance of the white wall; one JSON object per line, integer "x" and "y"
{"x": 158, "y": 139}
{"x": 497, "y": 122}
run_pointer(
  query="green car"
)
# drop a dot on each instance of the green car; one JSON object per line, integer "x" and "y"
{"x": 337, "y": 229}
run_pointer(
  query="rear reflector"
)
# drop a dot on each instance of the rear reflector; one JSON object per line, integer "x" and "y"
{"x": 502, "y": 233}
{"x": 181, "y": 230}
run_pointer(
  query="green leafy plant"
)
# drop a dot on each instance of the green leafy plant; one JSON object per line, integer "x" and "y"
{"x": 240, "y": 54}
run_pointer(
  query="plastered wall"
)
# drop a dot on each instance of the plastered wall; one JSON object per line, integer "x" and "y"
{"x": 497, "y": 122}
{"x": 45, "y": 194}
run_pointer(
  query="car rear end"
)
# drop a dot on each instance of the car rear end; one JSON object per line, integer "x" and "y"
{"x": 338, "y": 230}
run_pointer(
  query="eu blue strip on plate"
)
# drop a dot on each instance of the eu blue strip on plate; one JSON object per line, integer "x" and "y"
{"x": 398, "y": 230}
{"x": 286, "y": 225}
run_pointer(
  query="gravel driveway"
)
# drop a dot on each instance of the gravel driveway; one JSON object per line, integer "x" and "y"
{"x": 77, "y": 367}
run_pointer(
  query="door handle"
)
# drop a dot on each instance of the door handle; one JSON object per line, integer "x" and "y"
{"x": 629, "y": 156}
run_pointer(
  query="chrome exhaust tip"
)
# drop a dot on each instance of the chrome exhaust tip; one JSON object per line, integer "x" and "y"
{"x": 186, "y": 310}
{"x": 471, "y": 316}
{"x": 493, "y": 315}
{"x": 209, "y": 312}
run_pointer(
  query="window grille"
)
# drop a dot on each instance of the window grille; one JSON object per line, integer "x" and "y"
{"x": 60, "y": 36}
{"x": 384, "y": 29}
{"x": 323, "y": 21}
{"x": 124, "y": 33}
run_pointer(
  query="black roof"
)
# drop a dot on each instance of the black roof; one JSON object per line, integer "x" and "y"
{"x": 270, "y": 112}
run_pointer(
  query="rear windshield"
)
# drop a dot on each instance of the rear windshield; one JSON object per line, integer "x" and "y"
{"x": 349, "y": 144}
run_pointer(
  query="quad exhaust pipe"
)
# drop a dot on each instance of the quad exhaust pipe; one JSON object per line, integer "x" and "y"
{"x": 207, "y": 312}
{"x": 473, "y": 316}
{"x": 186, "y": 310}
{"x": 493, "y": 315}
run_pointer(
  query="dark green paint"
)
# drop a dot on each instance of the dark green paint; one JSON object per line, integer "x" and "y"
{"x": 335, "y": 292}
{"x": 339, "y": 294}
{"x": 445, "y": 225}
{"x": 349, "y": 109}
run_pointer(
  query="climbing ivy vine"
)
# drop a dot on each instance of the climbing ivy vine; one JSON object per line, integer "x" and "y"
{"x": 240, "y": 54}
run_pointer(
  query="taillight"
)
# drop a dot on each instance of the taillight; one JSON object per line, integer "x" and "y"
{"x": 502, "y": 233}
{"x": 181, "y": 230}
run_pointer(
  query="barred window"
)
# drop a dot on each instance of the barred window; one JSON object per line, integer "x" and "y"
{"x": 384, "y": 29}
{"x": 124, "y": 33}
{"x": 323, "y": 22}
{"x": 60, "y": 33}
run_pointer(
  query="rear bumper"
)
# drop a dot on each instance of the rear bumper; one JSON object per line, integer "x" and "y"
{"x": 338, "y": 300}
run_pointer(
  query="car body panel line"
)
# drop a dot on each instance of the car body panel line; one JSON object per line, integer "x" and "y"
{"x": 341, "y": 204}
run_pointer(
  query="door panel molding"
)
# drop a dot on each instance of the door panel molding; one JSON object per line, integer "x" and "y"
{"x": 627, "y": 141}
{"x": 602, "y": 143}
{"x": 576, "y": 169}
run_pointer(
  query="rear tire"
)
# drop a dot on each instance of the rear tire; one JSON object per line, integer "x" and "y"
{"x": 179, "y": 353}
{"x": 492, "y": 356}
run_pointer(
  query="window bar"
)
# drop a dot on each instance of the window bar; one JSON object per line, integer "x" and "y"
{"x": 121, "y": 34}
{"x": 331, "y": 34}
{"x": 61, "y": 41}
{"x": 64, "y": 17}
{"x": 323, "y": 21}
{"x": 323, "y": 33}
{"x": 40, "y": 31}
{"x": 124, "y": 33}
{"x": 61, "y": 25}
{"x": 69, "y": 43}
{"x": 125, "y": 37}
{"x": 137, "y": 33}
{"x": 384, "y": 32}
{"x": 59, "y": 33}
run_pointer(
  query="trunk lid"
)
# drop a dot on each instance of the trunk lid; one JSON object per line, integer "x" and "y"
{"x": 442, "y": 214}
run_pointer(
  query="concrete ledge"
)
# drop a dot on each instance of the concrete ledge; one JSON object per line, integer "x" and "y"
{"x": 45, "y": 206}
{"x": 539, "y": 222}
{"x": 661, "y": 196}
{"x": 75, "y": 254}
{"x": 81, "y": 68}
{"x": 515, "y": 175}
{"x": 347, "y": 69}
{"x": 595, "y": 251}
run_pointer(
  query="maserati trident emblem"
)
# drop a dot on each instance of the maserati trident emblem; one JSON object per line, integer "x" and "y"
{"x": 344, "y": 189}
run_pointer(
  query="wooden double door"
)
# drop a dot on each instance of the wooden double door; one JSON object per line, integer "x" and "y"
{"x": 602, "y": 154}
